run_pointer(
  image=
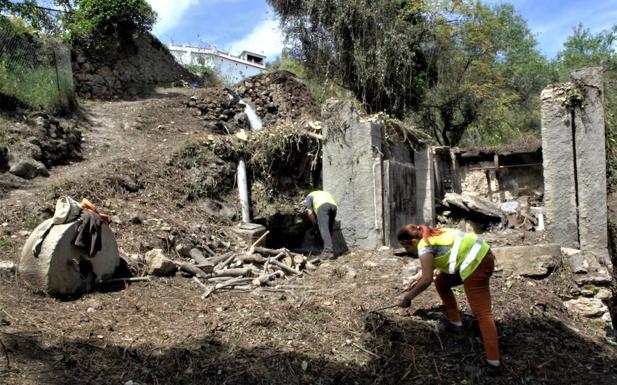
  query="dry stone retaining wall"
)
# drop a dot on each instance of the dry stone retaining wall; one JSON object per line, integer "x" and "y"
{"x": 134, "y": 72}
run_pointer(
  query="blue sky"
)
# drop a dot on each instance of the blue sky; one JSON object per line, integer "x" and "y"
{"x": 236, "y": 25}
{"x": 552, "y": 21}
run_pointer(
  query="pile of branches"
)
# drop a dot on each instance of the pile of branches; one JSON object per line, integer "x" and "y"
{"x": 258, "y": 267}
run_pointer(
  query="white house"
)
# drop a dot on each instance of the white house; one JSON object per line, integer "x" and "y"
{"x": 230, "y": 68}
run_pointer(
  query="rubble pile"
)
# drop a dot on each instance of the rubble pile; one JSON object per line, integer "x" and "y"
{"x": 278, "y": 97}
{"x": 37, "y": 144}
{"x": 221, "y": 109}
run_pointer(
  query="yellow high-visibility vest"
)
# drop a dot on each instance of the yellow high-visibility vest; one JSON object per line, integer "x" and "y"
{"x": 455, "y": 251}
{"x": 321, "y": 197}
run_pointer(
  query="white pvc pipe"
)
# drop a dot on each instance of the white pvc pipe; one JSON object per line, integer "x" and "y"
{"x": 244, "y": 192}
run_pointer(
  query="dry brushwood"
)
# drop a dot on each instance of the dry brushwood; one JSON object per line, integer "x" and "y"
{"x": 257, "y": 266}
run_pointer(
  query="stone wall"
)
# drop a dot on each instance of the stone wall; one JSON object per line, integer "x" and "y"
{"x": 129, "y": 74}
{"x": 372, "y": 180}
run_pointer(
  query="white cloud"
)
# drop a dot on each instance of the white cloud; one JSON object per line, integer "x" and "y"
{"x": 169, "y": 12}
{"x": 266, "y": 38}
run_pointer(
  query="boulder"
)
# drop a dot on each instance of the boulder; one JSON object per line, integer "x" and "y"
{"x": 28, "y": 169}
{"x": 578, "y": 264}
{"x": 62, "y": 268}
{"x": 537, "y": 261}
{"x": 473, "y": 204}
{"x": 158, "y": 264}
{"x": 586, "y": 307}
{"x": 599, "y": 278}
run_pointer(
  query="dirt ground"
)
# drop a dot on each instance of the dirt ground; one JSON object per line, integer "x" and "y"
{"x": 162, "y": 332}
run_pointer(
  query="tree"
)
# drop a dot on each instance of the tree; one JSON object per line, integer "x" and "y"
{"x": 465, "y": 71}
{"x": 585, "y": 49}
{"x": 371, "y": 47}
{"x": 28, "y": 12}
{"x": 108, "y": 18}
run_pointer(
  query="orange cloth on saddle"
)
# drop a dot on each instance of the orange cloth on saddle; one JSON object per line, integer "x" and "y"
{"x": 87, "y": 205}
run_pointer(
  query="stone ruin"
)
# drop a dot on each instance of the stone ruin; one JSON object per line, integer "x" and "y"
{"x": 380, "y": 185}
{"x": 574, "y": 157}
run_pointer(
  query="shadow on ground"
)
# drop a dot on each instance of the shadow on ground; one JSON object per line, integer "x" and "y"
{"x": 536, "y": 351}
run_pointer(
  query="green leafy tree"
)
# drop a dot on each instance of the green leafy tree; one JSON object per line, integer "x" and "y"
{"x": 372, "y": 47}
{"x": 28, "y": 11}
{"x": 489, "y": 75}
{"x": 108, "y": 18}
{"x": 462, "y": 70}
{"x": 585, "y": 49}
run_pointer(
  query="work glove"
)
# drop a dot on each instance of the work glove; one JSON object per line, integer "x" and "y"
{"x": 405, "y": 303}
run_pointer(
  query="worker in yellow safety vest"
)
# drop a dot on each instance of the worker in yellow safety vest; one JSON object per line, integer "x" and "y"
{"x": 460, "y": 258}
{"x": 321, "y": 211}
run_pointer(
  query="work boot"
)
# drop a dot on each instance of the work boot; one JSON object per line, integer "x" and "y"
{"x": 446, "y": 327}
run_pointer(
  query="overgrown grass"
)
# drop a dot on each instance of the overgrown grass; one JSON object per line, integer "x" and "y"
{"x": 38, "y": 87}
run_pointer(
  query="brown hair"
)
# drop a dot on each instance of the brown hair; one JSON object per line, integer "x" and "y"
{"x": 405, "y": 233}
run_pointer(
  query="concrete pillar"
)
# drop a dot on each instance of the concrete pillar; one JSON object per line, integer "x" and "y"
{"x": 425, "y": 185}
{"x": 589, "y": 133}
{"x": 574, "y": 153}
{"x": 558, "y": 165}
{"x": 352, "y": 146}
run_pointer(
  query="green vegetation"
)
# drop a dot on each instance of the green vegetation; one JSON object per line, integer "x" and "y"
{"x": 107, "y": 19}
{"x": 464, "y": 72}
{"x": 585, "y": 49}
{"x": 209, "y": 76}
{"x": 320, "y": 88}
{"x": 28, "y": 70}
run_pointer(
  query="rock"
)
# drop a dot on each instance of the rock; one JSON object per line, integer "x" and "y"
{"x": 596, "y": 278}
{"x": 587, "y": 293}
{"x": 351, "y": 273}
{"x": 586, "y": 307}
{"x": 7, "y": 269}
{"x": 578, "y": 264}
{"x": 603, "y": 295}
{"x": 135, "y": 219}
{"x": 475, "y": 204}
{"x": 197, "y": 256}
{"x": 94, "y": 304}
{"x": 606, "y": 317}
{"x": 28, "y": 169}
{"x": 370, "y": 264}
{"x": 510, "y": 207}
{"x": 159, "y": 264}
{"x": 537, "y": 261}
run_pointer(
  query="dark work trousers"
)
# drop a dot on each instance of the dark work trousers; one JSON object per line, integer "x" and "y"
{"x": 325, "y": 220}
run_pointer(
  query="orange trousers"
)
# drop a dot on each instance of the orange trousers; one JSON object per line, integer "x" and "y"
{"x": 477, "y": 289}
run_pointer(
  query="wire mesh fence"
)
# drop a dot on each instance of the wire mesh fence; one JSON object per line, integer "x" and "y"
{"x": 35, "y": 69}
